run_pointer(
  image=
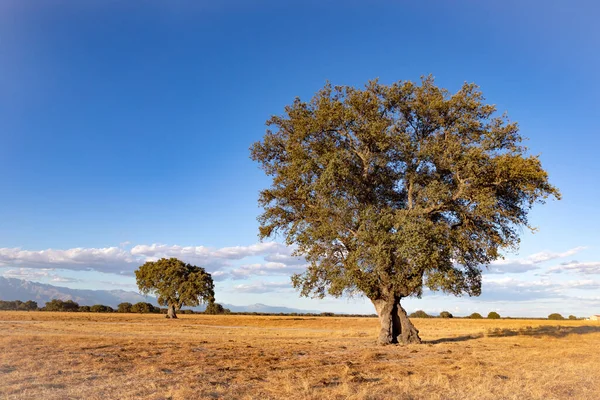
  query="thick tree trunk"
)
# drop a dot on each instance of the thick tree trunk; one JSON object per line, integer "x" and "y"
{"x": 171, "y": 311}
{"x": 395, "y": 325}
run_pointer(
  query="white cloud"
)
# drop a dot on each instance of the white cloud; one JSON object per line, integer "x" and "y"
{"x": 28, "y": 273}
{"x": 529, "y": 263}
{"x": 269, "y": 268}
{"x": 123, "y": 261}
{"x": 586, "y": 268}
{"x": 108, "y": 259}
{"x": 510, "y": 289}
{"x": 263, "y": 287}
{"x": 32, "y": 274}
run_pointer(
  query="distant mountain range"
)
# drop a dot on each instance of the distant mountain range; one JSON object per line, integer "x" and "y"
{"x": 18, "y": 289}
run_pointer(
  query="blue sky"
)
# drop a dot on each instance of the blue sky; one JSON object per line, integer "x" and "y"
{"x": 124, "y": 132}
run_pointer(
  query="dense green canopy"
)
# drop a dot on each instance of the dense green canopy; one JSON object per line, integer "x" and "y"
{"x": 391, "y": 189}
{"x": 175, "y": 283}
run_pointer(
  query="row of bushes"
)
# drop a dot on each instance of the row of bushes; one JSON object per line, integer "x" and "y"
{"x": 18, "y": 305}
{"x": 447, "y": 314}
{"x": 72, "y": 306}
{"x": 214, "y": 308}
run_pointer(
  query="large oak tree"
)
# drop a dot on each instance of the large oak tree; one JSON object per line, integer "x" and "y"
{"x": 175, "y": 284}
{"x": 387, "y": 190}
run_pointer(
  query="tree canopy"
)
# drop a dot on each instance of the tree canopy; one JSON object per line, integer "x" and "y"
{"x": 175, "y": 284}
{"x": 391, "y": 189}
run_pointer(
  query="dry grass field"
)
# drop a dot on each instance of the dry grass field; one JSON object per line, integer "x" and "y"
{"x": 116, "y": 356}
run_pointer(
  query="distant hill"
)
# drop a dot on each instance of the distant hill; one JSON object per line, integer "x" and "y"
{"x": 17, "y": 289}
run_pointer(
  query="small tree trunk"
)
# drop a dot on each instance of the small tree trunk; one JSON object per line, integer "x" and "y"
{"x": 171, "y": 312}
{"x": 394, "y": 323}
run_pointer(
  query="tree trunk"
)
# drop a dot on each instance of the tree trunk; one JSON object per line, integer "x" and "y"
{"x": 394, "y": 322}
{"x": 171, "y": 312}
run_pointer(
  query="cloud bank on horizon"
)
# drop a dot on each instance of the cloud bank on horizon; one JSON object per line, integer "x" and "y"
{"x": 263, "y": 269}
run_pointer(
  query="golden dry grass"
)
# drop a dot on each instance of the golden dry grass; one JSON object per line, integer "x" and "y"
{"x": 116, "y": 356}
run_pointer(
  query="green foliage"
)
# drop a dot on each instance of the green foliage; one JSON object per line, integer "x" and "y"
{"x": 175, "y": 283}
{"x": 446, "y": 314}
{"x": 30, "y": 305}
{"x": 18, "y": 305}
{"x": 84, "y": 309}
{"x": 419, "y": 314}
{"x": 493, "y": 315}
{"x": 216, "y": 308}
{"x": 100, "y": 308}
{"x": 143, "y": 308}
{"x": 390, "y": 189}
{"x": 475, "y": 316}
{"x": 556, "y": 317}
{"x": 572, "y": 317}
{"x": 124, "y": 307}
{"x": 59, "y": 305}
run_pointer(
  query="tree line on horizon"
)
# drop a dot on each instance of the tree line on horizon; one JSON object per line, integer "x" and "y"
{"x": 57, "y": 305}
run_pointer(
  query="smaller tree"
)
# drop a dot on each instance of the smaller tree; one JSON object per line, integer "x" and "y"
{"x": 84, "y": 309}
{"x": 175, "y": 284}
{"x": 216, "y": 308}
{"x": 556, "y": 317}
{"x": 124, "y": 307}
{"x": 446, "y": 314}
{"x": 475, "y": 316}
{"x": 142, "y": 308}
{"x": 572, "y": 317}
{"x": 419, "y": 314}
{"x": 31, "y": 305}
{"x": 493, "y": 315}
{"x": 99, "y": 308}
{"x": 59, "y": 305}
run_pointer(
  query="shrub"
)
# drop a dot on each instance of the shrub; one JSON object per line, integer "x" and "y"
{"x": 18, "y": 305}
{"x": 100, "y": 308}
{"x": 84, "y": 308}
{"x": 59, "y": 305}
{"x": 419, "y": 314}
{"x": 142, "y": 308}
{"x": 216, "y": 308}
{"x": 572, "y": 317}
{"x": 493, "y": 315}
{"x": 446, "y": 314}
{"x": 475, "y": 315}
{"x": 124, "y": 307}
{"x": 556, "y": 317}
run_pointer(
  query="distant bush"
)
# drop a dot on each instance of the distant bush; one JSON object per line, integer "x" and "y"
{"x": 572, "y": 317}
{"x": 216, "y": 308}
{"x": 493, "y": 315}
{"x": 101, "y": 308}
{"x": 186, "y": 311}
{"x": 556, "y": 317}
{"x": 124, "y": 307}
{"x": 84, "y": 309}
{"x": 18, "y": 305}
{"x": 59, "y": 305}
{"x": 475, "y": 315}
{"x": 142, "y": 308}
{"x": 419, "y": 314}
{"x": 446, "y": 314}
{"x": 327, "y": 314}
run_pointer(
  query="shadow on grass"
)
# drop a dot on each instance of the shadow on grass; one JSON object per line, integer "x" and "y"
{"x": 454, "y": 339}
{"x": 548, "y": 331}
{"x": 538, "y": 331}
